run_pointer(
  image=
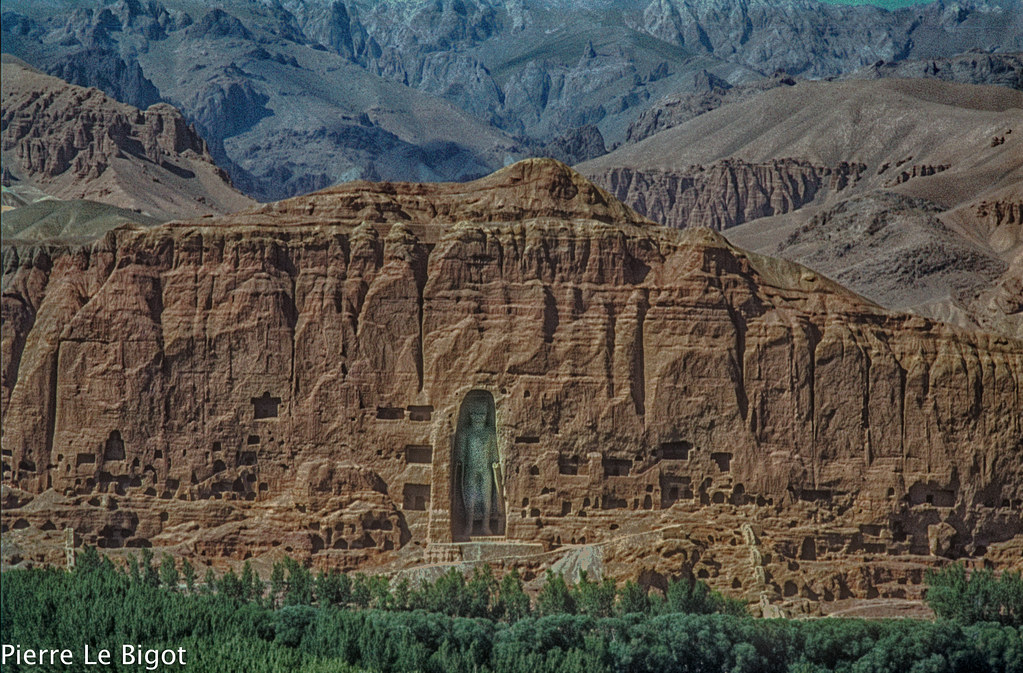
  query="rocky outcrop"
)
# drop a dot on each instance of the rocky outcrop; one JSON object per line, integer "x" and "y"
{"x": 108, "y": 72}
{"x": 819, "y": 40}
{"x": 910, "y": 172}
{"x": 975, "y": 67}
{"x": 727, "y": 193}
{"x": 709, "y": 94}
{"x": 764, "y": 167}
{"x": 77, "y": 143}
{"x": 897, "y": 251}
{"x": 999, "y": 307}
{"x": 577, "y": 145}
{"x": 1003, "y": 218}
{"x": 290, "y": 380}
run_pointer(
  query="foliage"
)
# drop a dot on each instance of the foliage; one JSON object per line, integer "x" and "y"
{"x": 459, "y": 624}
{"x": 979, "y": 596}
{"x": 555, "y": 598}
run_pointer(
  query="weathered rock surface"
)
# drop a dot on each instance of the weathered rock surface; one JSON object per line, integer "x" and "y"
{"x": 709, "y": 92}
{"x": 289, "y": 380}
{"x": 971, "y": 68}
{"x": 896, "y": 251}
{"x": 822, "y": 39}
{"x": 108, "y": 72}
{"x": 729, "y": 192}
{"x": 77, "y": 143}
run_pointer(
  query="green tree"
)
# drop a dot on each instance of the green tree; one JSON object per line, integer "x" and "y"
{"x": 150, "y": 573}
{"x": 230, "y": 585}
{"x": 333, "y": 588}
{"x": 252, "y": 586}
{"x": 978, "y": 596}
{"x": 278, "y": 581}
{"x": 361, "y": 593}
{"x": 401, "y": 596}
{"x": 448, "y": 594}
{"x": 695, "y": 597}
{"x": 379, "y": 592}
{"x": 168, "y": 572}
{"x": 299, "y": 585}
{"x": 596, "y": 599}
{"x": 134, "y": 572}
{"x": 633, "y": 599}
{"x": 512, "y": 601}
{"x": 292, "y": 622}
{"x": 480, "y": 591}
{"x": 209, "y": 582}
{"x": 88, "y": 560}
{"x": 188, "y": 574}
{"x": 554, "y": 597}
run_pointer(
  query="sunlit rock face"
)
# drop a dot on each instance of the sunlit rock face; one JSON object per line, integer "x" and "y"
{"x": 293, "y": 379}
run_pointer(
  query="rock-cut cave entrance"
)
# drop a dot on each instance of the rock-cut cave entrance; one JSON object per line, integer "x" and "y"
{"x": 477, "y": 491}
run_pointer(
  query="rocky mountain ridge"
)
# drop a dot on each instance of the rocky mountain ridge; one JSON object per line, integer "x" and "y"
{"x": 265, "y": 80}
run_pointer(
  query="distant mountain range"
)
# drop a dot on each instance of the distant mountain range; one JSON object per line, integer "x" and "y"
{"x": 294, "y": 95}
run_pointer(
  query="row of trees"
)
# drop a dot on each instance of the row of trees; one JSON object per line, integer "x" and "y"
{"x": 480, "y": 595}
{"x": 953, "y": 592}
{"x": 305, "y": 625}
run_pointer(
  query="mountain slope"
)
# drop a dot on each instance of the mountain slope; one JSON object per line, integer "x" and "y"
{"x": 785, "y": 163}
{"x": 67, "y": 221}
{"x": 266, "y": 81}
{"x": 76, "y": 143}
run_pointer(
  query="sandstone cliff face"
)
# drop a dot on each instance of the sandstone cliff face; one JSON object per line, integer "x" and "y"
{"x": 290, "y": 380}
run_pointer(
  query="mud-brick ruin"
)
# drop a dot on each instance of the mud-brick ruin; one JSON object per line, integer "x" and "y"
{"x": 301, "y": 378}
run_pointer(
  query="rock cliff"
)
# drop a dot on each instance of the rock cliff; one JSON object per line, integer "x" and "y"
{"x": 728, "y": 192}
{"x": 289, "y": 380}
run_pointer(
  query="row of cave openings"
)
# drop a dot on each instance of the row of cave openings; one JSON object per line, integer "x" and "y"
{"x": 415, "y": 497}
{"x": 623, "y": 467}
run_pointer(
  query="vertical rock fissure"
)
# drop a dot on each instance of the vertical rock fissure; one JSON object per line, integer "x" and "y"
{"x": 420, "y": 354}
{"x": 609, "y": 350}
{"x": 902, "y": 412}
{"x": 813, "y": 334}
{"x": 865, "y": 410}
{"x": 639, "y": 361}
{"x": 421, "y": 273}
{"x": 51, "y": 410}
{"x": 12, "y": 368}
{"x": 551, "y": 317}
{"x": 741, "y": 399}
{"x": 293, "y": 319}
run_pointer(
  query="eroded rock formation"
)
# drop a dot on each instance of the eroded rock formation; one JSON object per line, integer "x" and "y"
{"x": 290, "y": 379}
{"x": 728, "y": 192}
